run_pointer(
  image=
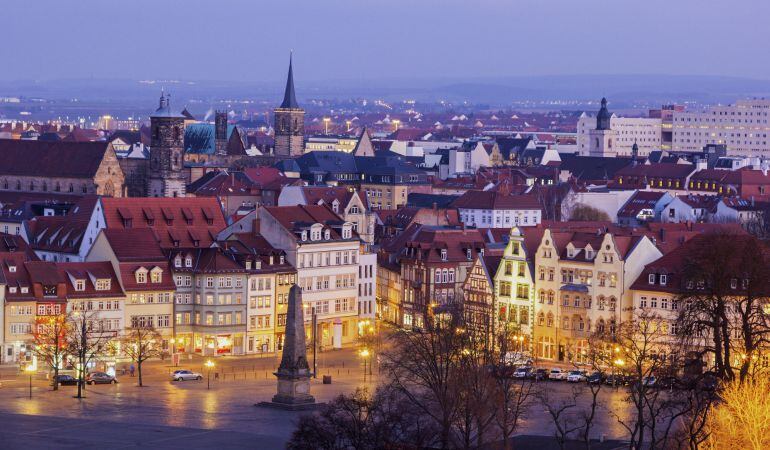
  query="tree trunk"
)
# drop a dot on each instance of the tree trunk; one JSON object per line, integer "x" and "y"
{"x": 139, "y": 369}
{"x": 56, "y": 377}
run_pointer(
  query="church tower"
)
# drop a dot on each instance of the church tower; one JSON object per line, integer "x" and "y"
{"x": 602, "y": 139}
{"x": 164, "y": 174}
{"x": 289, "y": 122}
{"x": 220, "y": 133}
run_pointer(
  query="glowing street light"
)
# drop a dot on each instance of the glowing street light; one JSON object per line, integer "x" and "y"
{"x": 326, "y": 124}
{"x": 365, "y": 353}
{"x": 30, "y": 369}
{"x": 209, "y": 365}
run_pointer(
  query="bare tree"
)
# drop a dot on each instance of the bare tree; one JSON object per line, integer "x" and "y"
{"x": 725, "y": 292}
{"x": 362, "y": 421}
{"x": 85, "y": 341}
{"x": 50, "y": 339}
{"x": 140, "y": 344}
{"x": 423, "y": 366}
{"x": 559, "y": 409}
{"x": 742, "y": 419}
{"x": 583, "y": 212}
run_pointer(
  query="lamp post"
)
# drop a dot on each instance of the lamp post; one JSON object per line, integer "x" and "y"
{"x": 210, "y": 365}
{"x": 365, "y": 354}
{"x": 326, "y": 124}
{"x": 30, "y": 369}
{"x": 314, "y": 324}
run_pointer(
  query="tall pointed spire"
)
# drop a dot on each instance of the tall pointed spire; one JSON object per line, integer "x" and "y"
{"x": 289, "y": 98}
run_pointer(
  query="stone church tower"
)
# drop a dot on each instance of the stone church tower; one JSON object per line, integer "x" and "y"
{"x": 220, "y": 133}
{"x": 164, "y": 173}
{"x": 603, "y": 138}
{"x": 289, "y": 122}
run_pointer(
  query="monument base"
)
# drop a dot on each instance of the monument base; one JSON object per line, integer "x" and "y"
{"x": 290, "y": 406}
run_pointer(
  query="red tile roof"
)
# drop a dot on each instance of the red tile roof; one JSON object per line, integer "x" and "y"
{"x": 90, "y": 272}
{"x": 51, "y": 158}
{"x": 496, "y": 200}
{"x": 62, "y": 234}
{"x": 165, "y": 216}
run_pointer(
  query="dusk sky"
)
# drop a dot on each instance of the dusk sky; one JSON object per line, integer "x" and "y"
{"x": 366, "y": 39}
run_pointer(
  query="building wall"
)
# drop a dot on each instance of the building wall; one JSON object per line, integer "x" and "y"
{"x": 500, "y": 218}
{"x": 646, "y": 132}
{"x": 743, "y": 127}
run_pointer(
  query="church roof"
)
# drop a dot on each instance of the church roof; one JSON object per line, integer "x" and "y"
{"x": 164, "y": 108}
{"x": 603, "y": 117}
{"x": 289, "y": 97}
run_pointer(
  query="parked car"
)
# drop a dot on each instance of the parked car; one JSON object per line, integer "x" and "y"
{"x": 185, "y": 375}
{"x": 539, "y": 374}
{"x": 646, "y": 382}
{"x": 66, "y": 380}
{"x": 557, "y": 374}
{"x": 595, "y": 378}
{"x": 100, "y": 378}
{"x": 617, "y": 380}
{"x": 670, "y": 382}
{"x": 522, "y": 372}
{"x": 576, "y": 376}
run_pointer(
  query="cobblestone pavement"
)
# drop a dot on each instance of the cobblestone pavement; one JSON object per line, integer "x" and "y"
{"x": 124, "y": 415}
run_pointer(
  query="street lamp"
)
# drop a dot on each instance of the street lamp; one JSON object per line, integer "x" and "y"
{"x": 365, "y": 354}
{"x": 174, "y": 360}
{"x": 326, "y": 124}
{"x": 210, "y": 365}
{"x": 30, "y": 369}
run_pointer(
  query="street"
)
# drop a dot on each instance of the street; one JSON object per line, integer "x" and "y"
{"x": 224, "y": 414}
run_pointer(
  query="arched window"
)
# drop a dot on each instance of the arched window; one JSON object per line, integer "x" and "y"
{"x": 541, "y": 319}
{"x": 601, "y": 302}
{"x": 600, "y": 326}
{"x": 541, "y": 296}
{"x": 613, "y": 303}
{"x": 31, "y": 185}
{"x": 451, "y": 275}
{"x": 550, "y": 297}
{"x": 438, "y": 276}
{"x": 84, "y": 189}
{"x": 445, "y": 275}
{"x": 72, "y": 188}
{"x": 57, "y": 188}
{"x": 5, "y": 184}
{"x": 565, "y": 323}
{"x": 549, "y": 320}
{"x": 18, "y": 185}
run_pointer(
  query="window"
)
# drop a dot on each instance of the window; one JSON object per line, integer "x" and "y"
{"x": 651, "y": 278}
{"x": 141, "y": 276}
{"x": 663, "y": 279}
{"x": 80, "y": 285}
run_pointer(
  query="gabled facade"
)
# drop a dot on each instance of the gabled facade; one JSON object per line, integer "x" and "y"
{"x": 514, "y": 290}
{"x": 582, "y": 282}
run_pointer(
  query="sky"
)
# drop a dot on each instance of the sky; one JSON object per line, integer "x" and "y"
{"x": 249, "y": 40}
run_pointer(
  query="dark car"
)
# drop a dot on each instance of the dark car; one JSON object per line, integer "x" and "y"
{"x": 66, "y": 380}
{"x": 616, "y": 380}
{"x": 539, "y": 374}
{"x": 595, "y": 378}
{"x": 100, "y": 378}
{"x": 669, "y": 382}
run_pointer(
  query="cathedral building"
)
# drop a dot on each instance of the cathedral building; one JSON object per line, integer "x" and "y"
{"x": 289, "y": 122}
{"x": 165, "y": 176}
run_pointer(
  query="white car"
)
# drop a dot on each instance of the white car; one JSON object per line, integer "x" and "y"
{"x": 184, "y": 375}
{"x": 576, "y": 376}
{"x": 557, "y": 374}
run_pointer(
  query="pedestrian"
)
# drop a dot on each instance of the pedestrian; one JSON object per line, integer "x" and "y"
{"x": 131, "y": 370}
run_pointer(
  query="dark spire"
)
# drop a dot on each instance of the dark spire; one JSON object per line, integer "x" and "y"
{"x": 289, "y": 99}
{"x": 603, "y": 117}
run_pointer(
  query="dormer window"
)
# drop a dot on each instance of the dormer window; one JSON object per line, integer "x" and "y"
{"x": 272, "y": 260}
{"x": 188, "y": 261}
{"x": 468, "y": 253}
{"x": 12, "y": 269}
{"x": 443, "y": 254}
{"x": 327, "y": 235}
{"x": 141, "y": 275}
{"x": 103, "y": 284}
{"x": 248, "y": 265}
{"x": 663, "y": 279}
{"x": 651, "y": 278}
{"x": 12, "y": 289}
{"x": 80, "y": 285}
{"x": 178, "y": 261}
{"x": 156, "y": 275}
{"x": 282, "y": 259}
{"x": 347, "y": 231}
{"x": 25, "y": 290}
{"x": 258, "y": 264}
{"x": 304, "y": 235}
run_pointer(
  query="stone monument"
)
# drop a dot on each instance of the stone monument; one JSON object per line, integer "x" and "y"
{"x": 294, "y": 373}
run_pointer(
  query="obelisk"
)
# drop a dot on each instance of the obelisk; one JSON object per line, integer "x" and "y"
{"x": 294, "y": 373}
